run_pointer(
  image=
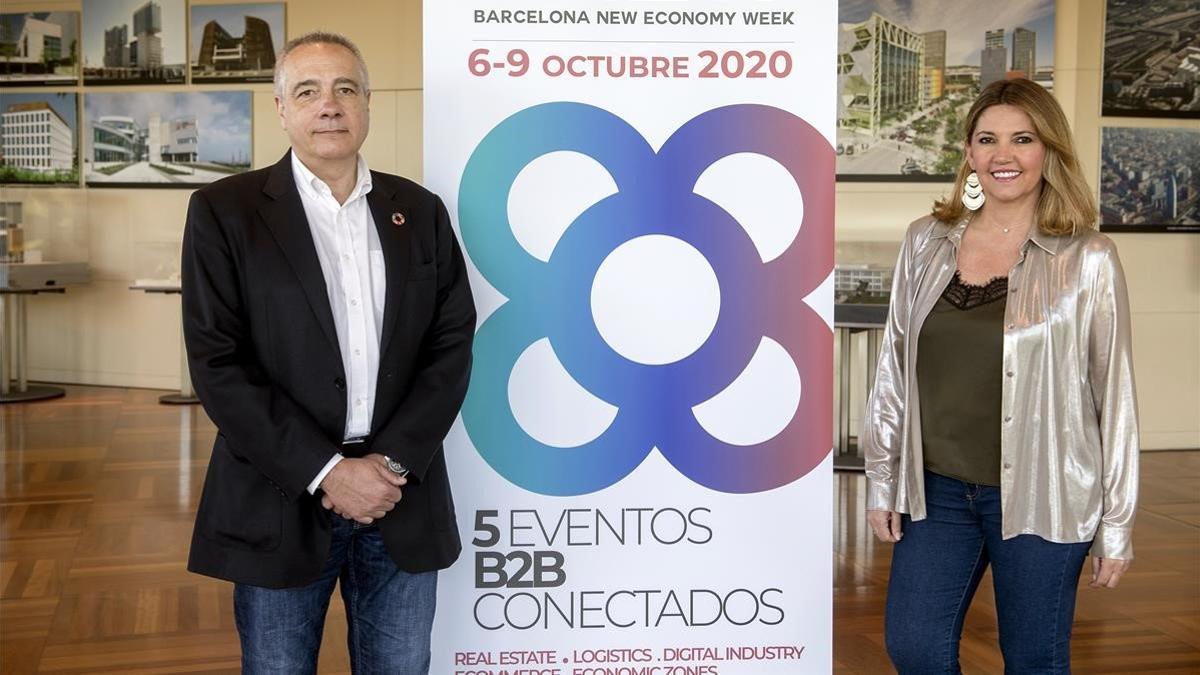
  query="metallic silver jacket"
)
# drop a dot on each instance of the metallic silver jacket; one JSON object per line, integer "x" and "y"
{"x": 1069, "y": 436}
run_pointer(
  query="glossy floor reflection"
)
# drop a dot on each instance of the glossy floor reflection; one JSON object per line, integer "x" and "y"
{"x": 100, "y": 487}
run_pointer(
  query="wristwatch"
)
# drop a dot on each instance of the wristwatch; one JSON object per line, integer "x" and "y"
{"x": 396, "y": 467}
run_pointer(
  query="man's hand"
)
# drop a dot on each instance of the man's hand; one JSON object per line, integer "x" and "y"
{"x": 362, "y": 489}
{"x": 1106, "y": 572}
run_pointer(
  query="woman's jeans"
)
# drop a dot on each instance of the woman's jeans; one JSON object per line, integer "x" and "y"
{"x": 937, "y": 565}
{"x": 389, "y": 612}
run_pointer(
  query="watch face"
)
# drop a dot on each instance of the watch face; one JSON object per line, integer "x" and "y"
{"x": 396, "y": 467}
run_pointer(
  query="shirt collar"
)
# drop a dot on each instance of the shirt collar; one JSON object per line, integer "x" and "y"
{"x": 1047, "y": 242}
{"x": 315, "y": 188}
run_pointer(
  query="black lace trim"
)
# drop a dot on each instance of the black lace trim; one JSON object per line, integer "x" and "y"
{"x": 966, "y": 296}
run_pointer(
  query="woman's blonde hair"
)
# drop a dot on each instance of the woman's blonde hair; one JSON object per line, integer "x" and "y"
{"x": 1066, "y": 204}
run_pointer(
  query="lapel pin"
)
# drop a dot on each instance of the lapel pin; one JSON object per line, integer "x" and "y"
{"x": 397, "y": 218}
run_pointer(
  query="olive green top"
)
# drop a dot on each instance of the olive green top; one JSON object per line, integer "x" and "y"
{"x": 959, "y": 366}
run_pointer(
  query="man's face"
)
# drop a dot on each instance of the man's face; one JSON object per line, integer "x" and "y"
{"x": 323, "y": 105}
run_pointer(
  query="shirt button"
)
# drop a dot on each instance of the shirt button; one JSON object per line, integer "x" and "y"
{"x": 358, "y": 352}
{"x": 354, "y": 302}
{"x": 1012, "y": 290}
{"x": 1008, "y": 418}
{"x": 1009, "y": 373}
{"x": 1007, "y": 466}
{"x": 1012, "y": 326}
{"x": 358, "y": 401}
{"x": 345, "y": 256}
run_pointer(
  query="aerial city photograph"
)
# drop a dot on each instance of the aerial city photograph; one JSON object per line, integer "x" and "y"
{"x": 1152, "y": 58}
{"x": 1150, "y": 180}
{"x": 908, "y": 71}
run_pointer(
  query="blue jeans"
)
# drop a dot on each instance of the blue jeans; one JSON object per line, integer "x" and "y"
{"x": 937, "y": 565}
{"x": 389, "y": 612}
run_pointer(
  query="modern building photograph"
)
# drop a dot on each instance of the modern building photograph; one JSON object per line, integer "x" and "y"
{"x": 235, "y": 43}
{"x": 908, "y": 71}
{"x": 1150, "y": 180}
{"x": 39, "y": 48}
{"x": 1152, "y": 58}
{"x": 38, "y": 139}
{"x": 152, "y": 139}
{"x": 133, "y": 42}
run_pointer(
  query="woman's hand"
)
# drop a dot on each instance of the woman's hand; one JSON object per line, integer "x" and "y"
{"x": 885, "y": 525}
{"x": 1106, "y": 572}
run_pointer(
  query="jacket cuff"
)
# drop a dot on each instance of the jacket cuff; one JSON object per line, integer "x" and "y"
{"x": 880, "y": 496}
{"x": 1113, "y": 542}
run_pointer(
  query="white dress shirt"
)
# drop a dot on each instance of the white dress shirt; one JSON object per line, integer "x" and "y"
{"x": 351, "y": 260}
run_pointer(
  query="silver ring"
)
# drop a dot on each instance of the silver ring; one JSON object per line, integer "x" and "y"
{"x": 396, "y": 467}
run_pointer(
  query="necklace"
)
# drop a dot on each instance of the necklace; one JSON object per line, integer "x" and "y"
{"x": 1004, "y": 228}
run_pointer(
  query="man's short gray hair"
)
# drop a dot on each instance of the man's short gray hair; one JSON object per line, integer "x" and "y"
{"x": 318, "y": 37}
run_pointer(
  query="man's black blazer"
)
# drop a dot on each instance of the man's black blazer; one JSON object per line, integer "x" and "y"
{"x": 265, "y": 361}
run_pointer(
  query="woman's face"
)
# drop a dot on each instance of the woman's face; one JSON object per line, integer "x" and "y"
{"x": 1007, "y": 154}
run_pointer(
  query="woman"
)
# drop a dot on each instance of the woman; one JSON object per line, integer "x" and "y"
{"x": 1002, "y": 427}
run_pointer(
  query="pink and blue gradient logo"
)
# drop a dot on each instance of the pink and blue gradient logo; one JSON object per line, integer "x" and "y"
{"x": 655, "y": 196}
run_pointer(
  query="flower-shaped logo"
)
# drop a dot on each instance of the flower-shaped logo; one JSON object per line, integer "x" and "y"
{"x": 550, "y": 299}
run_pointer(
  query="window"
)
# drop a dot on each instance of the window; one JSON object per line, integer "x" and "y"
{"x": 845, "y": 64}
{"x": 862, "y": 37}
{"x": 52, "y": 47}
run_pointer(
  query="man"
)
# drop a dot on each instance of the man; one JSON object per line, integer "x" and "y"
{"x": 328, "y": 322}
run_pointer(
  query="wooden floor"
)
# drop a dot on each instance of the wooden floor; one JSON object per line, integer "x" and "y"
{"x": 96, "y": 512}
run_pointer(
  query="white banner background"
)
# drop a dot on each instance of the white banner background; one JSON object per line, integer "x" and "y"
{"x": 654, "y": 301}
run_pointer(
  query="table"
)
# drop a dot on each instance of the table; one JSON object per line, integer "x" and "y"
{"x": 13, "y": 343}
{"x": 186, "y": 394}
{"x": 848, "y": 320}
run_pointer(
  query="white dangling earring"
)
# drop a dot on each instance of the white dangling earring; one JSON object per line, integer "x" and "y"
{"x": 972, "y": 196}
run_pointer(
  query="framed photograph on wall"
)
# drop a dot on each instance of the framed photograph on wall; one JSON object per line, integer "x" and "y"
{"x": 235, "y": 43}
{"x": 1150, "y": 180}
{"x": 133, "y": 42}
{"x": 39, "y": 48}
{"x": 1151, "y": 59}
{"x": 908, "y": 71}
{"x": 38, "y": 139}
{"x": 165, "y": 140}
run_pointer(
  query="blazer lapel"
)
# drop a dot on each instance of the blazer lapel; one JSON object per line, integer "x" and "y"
{"x": 395, "y": 239}
{"x": 285, "y": 218}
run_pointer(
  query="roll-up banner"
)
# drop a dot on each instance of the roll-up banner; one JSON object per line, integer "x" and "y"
{"x": 642, "y": 469}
